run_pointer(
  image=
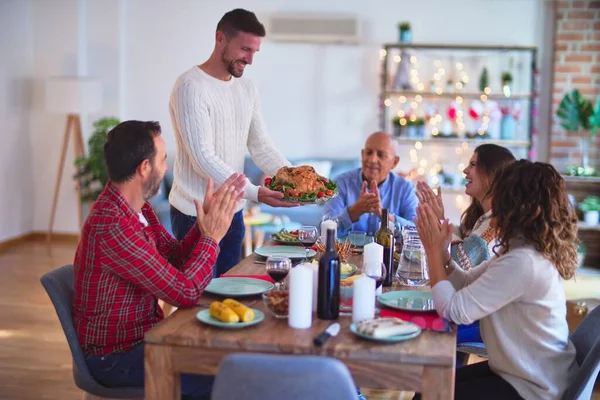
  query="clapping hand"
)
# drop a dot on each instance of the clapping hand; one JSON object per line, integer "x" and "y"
{"x": 238, "y": 181}
{"x": 435, "y": 236}
{"x": 426, "y": 196}
{"x": 367, "y": 202}
{"x": 220, "y": 208}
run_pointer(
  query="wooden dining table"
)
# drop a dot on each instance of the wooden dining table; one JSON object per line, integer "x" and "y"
{"x": 182, "y": 344}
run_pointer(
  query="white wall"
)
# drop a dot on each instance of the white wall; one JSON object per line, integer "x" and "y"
{"x": 16, "y": 172}
{"x": 317, "y": 99}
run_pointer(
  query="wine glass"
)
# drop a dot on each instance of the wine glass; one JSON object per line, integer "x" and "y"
{"x": 278, "y": 268}
{"x": 376, "y": 271}
{"x": 308, "y": 235}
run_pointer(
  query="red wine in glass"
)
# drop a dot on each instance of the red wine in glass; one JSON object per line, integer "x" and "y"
{"x": 278, "y": 274}
{"x": 378, "y": 280}
{"x": 377, "y": 272}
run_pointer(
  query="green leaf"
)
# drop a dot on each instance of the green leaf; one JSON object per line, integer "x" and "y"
{"x": 574, "y": 112}
{"x": 595, "y": 118}
{"x": 91, "y": 169}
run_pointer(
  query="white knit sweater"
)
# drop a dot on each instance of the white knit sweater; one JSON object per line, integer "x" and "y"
{"x": 214, "y": 123}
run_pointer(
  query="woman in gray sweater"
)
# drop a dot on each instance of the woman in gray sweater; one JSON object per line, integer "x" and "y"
{"x": 518, "y": 296}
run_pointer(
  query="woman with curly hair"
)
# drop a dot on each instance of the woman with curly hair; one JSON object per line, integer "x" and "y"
{"x": 518, "y": 296}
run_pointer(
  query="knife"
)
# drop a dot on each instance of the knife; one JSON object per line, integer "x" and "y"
{"x": 332, "y": 330}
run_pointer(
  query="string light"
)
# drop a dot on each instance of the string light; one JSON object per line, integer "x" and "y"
{"x": 414, "y": 72}
{"x": 439, "y": 90}
{"x": 483, "y": 97}
{"x": 414, "y": 105}
{"x": 402, "y": 99}
{"x": 382, "y": 54}
{"x": 435, "y": 131}
{"x": 401, "y": 113}
{"x": 487, "y": 90}
{"x": 464, "y": 145}
{"x": 413, "y": 59}
{"x": 418, "y": 98}
{"x": 459, "y": 85}
{"x": 423, "y": 163}
{"x": 387, "y": 102}
{"x": 459, "y": 99}
{"x": 397, "y": 59}
{"x": 403, "y": 121}
{"x": 418, "y": 145}
{"x": 413, "y": 117}
{"x": 459, "y": 66}
{"x": 420, "y": 87}
{"x": 421, "y": 171}
{"x": 435, "y": 180}
{"x": 413, "y": 152}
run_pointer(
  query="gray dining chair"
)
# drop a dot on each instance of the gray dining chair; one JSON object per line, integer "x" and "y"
{"x": 273, "y": 377}
{"x": 59, "y": 285}
{"x": 586, "y": 339}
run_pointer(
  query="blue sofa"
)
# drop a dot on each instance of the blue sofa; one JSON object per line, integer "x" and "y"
{"x": 305, "y": 215}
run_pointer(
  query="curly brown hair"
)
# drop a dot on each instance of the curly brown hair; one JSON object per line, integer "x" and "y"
{"x": 529, "y": 200}
{"x": 490, "y": 159}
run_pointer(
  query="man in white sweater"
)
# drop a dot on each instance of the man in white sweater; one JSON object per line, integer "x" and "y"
{"x": 216, "y": 117}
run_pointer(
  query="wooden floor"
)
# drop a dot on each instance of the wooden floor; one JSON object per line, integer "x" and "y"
{"x": 35, "y": 362}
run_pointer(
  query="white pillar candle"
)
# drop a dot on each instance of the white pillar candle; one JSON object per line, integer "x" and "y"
{"x": 300, "y": 302}
{"x": 373, "y": 254}
{"x": 314, "y": 267}
{"x": 363, "y": 299}
{"x": 327, "y": 224}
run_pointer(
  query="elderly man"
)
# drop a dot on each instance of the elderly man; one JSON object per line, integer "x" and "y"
{"x": 363, "y": 192}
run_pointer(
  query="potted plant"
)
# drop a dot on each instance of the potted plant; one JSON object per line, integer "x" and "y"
{"x": 590, "y": 207}
{"x": 398, "y": 129}
{"x": 419, "y": 124}
{"x": 483, "y": 79}
{"x": 405, "y": 35}
{"x": 576, "y": 114}
{"x": 91, "y": 169}
{"x": 506, "y": 81}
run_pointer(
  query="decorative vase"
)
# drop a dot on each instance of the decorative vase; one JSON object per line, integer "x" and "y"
{"x": 402, "y": 80}
{"x": 591, "y": 218}
{"x": 584, "y": 144}
{"x": 507, "y": 127}
{"x": 398, "y": 130}
{"x": 405, "y": 36}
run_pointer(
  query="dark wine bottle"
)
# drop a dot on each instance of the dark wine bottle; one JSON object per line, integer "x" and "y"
{"x": 385, "y": 237}
{"x": 328, "y": 288}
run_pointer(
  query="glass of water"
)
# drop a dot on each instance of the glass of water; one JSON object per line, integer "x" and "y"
{"x": 412, "y": 267}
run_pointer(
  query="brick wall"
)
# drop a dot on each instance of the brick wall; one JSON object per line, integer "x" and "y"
{"x": 576, "y": 66}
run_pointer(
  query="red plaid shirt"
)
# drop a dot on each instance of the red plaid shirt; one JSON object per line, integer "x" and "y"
{"x": 121, "y": 268}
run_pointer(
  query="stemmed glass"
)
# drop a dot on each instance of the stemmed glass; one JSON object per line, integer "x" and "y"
{"x": 376, "y": 271}
{"x": 308, "y": 235}
{"x": 278, "y": 268}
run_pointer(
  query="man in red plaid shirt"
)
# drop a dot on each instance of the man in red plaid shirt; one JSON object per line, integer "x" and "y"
{"x": 126, "y": 260}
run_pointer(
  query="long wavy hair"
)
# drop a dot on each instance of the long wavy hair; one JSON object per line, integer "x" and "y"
{"x": 490, "y": 159}
{"x": 529, "y": 201}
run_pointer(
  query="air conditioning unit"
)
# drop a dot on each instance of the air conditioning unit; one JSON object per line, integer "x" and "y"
{"x": 311, "y": 28}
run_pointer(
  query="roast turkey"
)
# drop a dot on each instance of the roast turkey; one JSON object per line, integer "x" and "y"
{"x": 304, "y": 178}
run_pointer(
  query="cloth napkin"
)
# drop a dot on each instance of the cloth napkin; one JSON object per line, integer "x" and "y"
{"x": 425, "y": 320}
{"x": 263, "y": 277}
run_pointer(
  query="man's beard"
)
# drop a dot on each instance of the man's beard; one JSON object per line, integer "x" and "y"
{"x": 231, "y": 67}
{"x": 152, "y": 187}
